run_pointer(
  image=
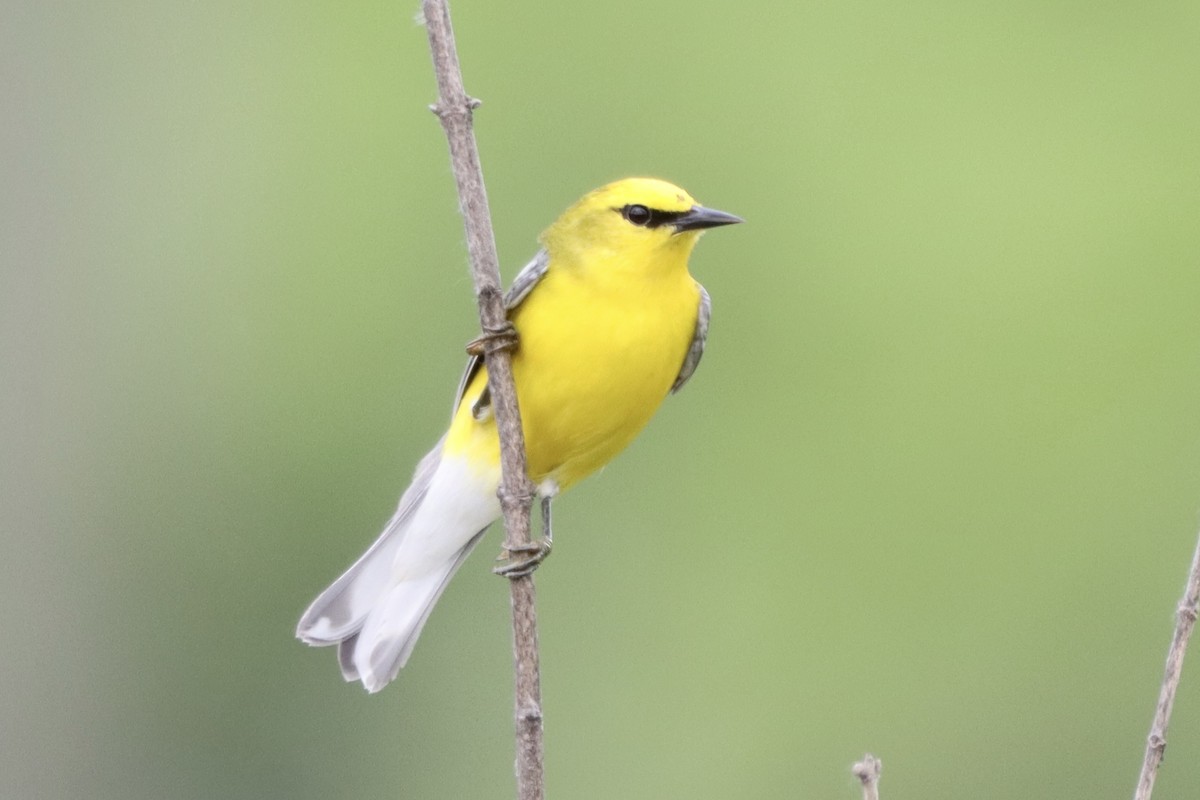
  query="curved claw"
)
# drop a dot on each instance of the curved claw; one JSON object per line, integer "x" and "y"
{"x": 522, "y": 561}
{"x": 499, "y": 338}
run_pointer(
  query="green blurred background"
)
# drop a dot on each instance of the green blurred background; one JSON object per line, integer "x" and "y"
{"x": 932, "y": 493}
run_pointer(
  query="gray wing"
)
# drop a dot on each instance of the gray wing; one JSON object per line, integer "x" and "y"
{"x": 696, "y": 349}
{"x": 526, "y": 279}
{"x": 522, "y": 285}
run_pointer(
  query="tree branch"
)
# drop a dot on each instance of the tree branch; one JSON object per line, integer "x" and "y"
{"x": 454, "y": 108}
{"x": 1156, "y": 742}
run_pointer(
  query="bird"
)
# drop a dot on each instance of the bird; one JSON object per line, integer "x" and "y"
{"x": 608, "y": 322}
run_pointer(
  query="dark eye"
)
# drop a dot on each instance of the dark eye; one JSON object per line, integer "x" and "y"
{"x": 638, "y": 215}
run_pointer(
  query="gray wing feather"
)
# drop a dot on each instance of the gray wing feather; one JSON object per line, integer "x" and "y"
{"x": 522, "y": 285}
{"x": 696, "y": 349}
{"x": 526, "y": 279}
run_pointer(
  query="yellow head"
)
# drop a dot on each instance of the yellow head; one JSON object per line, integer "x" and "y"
{"x": 640, "y": 220}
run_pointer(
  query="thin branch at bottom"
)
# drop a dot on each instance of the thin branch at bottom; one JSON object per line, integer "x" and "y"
{"x": 1156, "y": 742}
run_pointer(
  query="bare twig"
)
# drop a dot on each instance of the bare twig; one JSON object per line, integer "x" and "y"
{"x": 868, "y": 771}
{"x": 1156, "y": 742}
{"x": 454, "y": 108}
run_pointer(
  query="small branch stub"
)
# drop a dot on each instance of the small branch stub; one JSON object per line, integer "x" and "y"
{"x": 868, "y": 771}
{"x": 442, "y": 112}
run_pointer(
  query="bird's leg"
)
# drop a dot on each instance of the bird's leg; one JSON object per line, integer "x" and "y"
{"x": 523, "y": 560}
{"x": 493, "y": 338}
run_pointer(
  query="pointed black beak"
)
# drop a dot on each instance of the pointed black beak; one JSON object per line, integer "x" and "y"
{"x": 698, "y": 218}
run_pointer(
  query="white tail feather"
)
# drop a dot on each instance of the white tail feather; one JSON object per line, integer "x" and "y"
{"x": 391, "y": 630}
{"x": 375, "y": 611}
{"x": 340, "y": 610}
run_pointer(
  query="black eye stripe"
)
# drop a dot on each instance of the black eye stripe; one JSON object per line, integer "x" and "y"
{"x": 660, "y": 218}
{"x": 634, "y": 213}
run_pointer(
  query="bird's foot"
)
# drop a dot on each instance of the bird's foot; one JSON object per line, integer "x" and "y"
{"x": 493, "y": 338}
{"x": 517, "y": 562}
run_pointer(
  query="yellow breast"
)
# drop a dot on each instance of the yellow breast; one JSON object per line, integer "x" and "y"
{"x": 599, "y": 350}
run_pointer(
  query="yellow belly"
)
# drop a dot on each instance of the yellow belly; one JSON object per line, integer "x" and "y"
{"x": 593, "y": 364}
